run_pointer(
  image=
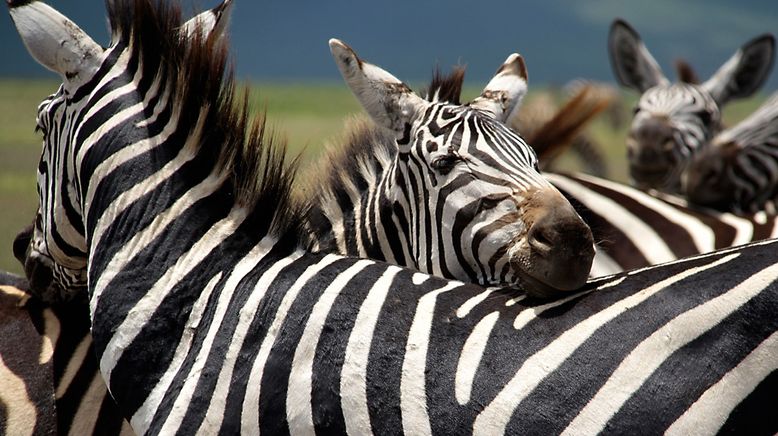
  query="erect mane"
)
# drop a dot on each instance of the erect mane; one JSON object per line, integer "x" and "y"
{"x": 446, "y": 88}
{"x": 197, "y": 73}
{"x": 358, "y": 161}
{"x": 686, "y": 73}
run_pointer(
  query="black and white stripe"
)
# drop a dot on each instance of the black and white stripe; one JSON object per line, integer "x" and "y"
{"x": 26, "y": 390}
{"x": 444, "y": 187}
{"x": 207, "y": 316}
{"x": 739, "y": 170}
{"x": 635, "y": 229}
{"x": 631, "y": 228}
{"x": 675, "y": 121}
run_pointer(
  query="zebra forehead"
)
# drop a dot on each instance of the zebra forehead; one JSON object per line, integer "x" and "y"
{"x": 676, "y": 98}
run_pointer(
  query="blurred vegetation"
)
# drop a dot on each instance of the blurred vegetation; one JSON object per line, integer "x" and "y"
{"x": 308, "y": 115}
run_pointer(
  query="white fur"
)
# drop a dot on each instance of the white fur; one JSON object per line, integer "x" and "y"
{"x": 353, "y": 380}
{"x": 56, "y": 42}
{"x": 250, "y": 415}
{"x": 470, "y": 357}
{"x": 503, "y": 94}
{"x": 413, "y": 391}
{"x": 299, "y": 414}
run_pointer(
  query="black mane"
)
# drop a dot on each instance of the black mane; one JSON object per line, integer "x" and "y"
{"x": 197, "y": 71}
{"x": 446, "y": 88}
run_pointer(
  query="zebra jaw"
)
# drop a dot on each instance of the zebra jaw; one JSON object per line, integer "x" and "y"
{"x": 56, "y": 42}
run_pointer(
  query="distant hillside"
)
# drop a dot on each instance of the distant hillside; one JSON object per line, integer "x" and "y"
{"x": 561, "y": 40}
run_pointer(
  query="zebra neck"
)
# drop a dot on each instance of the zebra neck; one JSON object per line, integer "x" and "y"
{"x": 362, "y": 218}
{"x": 171, "y": 219}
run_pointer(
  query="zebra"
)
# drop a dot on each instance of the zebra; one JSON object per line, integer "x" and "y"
{"x": 209, "y": 315}
{"x": 26, "y": 392}
{"x": 739, "y": 171}
{"x": 445, "y": 187}
{"x": 672, "y": 122}
{"x": 631, "y": 228}
{"x": 634, "y": 229}
{"x": 667, "y": 230}
{"x": 50, "y": 383}
{"x": 81, "y": 402}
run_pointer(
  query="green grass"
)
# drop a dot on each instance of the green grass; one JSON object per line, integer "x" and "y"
{"x": 309, "y": 116}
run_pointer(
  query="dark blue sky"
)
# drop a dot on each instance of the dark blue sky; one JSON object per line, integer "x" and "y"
{"x": 560, "y": 39}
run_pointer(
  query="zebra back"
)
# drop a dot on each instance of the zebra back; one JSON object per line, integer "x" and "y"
{"x": 635, "y": 229}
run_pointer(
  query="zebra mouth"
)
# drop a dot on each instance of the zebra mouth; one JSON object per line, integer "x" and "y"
{"x": 40, "y": 272}
{"x": 649, "y": 176}
{"x": 536, "y": 288}
{"x": 554, "y": 279}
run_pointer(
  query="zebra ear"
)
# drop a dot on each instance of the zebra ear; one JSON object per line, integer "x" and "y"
{"x": 504, "y": 93}
{"x": 54, "y": 41}
{"x": 390, "y": 102}
{"x": 632, "y": 64}
{"x": 214, "y": 21}
{"x": 745, "y": 72}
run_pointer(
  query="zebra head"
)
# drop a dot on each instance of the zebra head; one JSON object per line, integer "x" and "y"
{"x": 674, "y": 121}
{"x": 469, "y": 187}
{"x": 739, "y": 170}
{"x": 54, "y": 249}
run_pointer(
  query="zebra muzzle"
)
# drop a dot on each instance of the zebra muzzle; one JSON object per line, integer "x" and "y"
{"x": 561, "y": 249}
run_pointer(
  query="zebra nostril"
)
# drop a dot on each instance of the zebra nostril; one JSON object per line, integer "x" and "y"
{"x": 541, "y": 240}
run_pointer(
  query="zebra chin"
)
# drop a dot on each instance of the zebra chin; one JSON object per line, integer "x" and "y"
{"x": 559, "y": 250}
{"x": 47, "y": 283}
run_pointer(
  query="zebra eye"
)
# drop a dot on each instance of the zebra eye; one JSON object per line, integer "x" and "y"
{"x": 445, "y": 163}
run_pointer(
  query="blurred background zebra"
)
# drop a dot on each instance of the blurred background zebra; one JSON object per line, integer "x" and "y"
{"x": 738, "y": 172}
{"x": 672, "y": 122}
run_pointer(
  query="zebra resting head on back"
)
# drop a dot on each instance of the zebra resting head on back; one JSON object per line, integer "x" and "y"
{"x": 208, "y": 318}
{"x": 739, "y": 171}
{"x": 446, "y": 187}
{"x": 674, "y": 121}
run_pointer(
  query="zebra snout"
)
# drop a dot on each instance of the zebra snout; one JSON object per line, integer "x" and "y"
{"x": 651, "y": 146}
{"x": 561, "y": 246}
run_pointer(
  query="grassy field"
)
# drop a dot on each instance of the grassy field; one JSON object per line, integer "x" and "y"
{"x": 309, "y": 115}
